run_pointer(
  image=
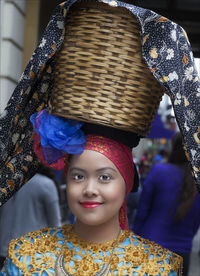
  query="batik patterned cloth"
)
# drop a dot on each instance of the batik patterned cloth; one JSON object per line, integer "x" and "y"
{"x": 35, "y": 254}
{"x": 168, "y": 54}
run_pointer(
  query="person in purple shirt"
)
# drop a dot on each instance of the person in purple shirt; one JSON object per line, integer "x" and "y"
{"x": 168, "y": 212}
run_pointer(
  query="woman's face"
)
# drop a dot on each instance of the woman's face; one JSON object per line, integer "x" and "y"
{"x": 95, "y": 188}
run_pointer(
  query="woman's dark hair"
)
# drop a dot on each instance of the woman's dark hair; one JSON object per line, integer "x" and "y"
{"x": 128, "y": 138}
{"x": 187, "y": 193}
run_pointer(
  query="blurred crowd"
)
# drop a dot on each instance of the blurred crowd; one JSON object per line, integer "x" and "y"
{"x": 166, "y": 208}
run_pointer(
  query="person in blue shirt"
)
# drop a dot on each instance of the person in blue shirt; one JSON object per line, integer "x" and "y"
{"x": 168, "y": 212}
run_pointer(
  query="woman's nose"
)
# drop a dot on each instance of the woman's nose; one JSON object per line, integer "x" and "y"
{"x": 90, "y": 188}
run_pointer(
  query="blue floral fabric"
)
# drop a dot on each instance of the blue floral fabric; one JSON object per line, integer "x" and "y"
{"x": 58, "y": 135}
{"x": 168, "y": 54}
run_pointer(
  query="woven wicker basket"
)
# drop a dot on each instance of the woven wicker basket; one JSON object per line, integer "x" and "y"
{"x": 100, "y": 76}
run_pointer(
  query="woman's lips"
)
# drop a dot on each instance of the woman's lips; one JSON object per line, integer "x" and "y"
{"x": 90, "y": 204}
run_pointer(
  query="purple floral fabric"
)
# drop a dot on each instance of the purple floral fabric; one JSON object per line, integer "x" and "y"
{"x": 168, "y": 54}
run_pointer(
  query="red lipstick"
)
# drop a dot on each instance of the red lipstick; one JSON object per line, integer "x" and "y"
{"x": 90, "y": 204}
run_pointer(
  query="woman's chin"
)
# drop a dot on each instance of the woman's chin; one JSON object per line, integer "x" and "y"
{"x": 89, "y": 222}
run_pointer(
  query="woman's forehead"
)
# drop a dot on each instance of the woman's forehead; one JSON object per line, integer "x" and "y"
{"x": 92, "y": 159}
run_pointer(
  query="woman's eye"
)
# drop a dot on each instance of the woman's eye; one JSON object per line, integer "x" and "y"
{"x": 77, "y": 177}
{"x": 105, "y": 177}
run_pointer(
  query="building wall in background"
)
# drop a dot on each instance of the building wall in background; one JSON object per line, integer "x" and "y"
{"x": 18, "y": 39}
{"x": 11, "y": 49}
{"x": 31, "y": 29}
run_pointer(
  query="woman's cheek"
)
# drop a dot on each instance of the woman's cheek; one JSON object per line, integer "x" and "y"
{"x": 115, "y": 192}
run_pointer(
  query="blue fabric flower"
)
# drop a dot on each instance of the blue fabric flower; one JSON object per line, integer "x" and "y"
{"x": 58, "y": 135}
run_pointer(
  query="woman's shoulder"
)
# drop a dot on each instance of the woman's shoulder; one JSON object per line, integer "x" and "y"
{"x": 162, "y": 166}
{"x": 163, "y": 169}
{"x": 35, "y": 238}
{"x": 30, "y": 246}
{"x": 149, "y": 247}
{"x": 150, "y": 256}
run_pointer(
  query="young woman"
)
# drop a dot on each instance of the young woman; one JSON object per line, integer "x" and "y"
{"x": 99, "y": 176}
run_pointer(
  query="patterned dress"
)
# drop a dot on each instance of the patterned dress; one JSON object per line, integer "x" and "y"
{"x": 36, "y": 253}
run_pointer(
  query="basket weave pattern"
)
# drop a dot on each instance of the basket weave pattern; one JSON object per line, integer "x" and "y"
{"x": 100, "y": 76}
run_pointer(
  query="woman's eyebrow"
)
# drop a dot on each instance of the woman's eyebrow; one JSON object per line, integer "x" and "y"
{"x": 76, "y": 168}
{"x": 106, "y": 168}
{"x": 98, "y": 170}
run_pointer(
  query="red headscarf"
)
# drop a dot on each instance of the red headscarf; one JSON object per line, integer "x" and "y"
{"x": 119, "y": 154}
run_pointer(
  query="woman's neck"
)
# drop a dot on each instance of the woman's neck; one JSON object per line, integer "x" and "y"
{"x": 98, "y": 233}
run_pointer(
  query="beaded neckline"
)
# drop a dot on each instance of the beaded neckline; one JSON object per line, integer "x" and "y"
{"x": 78, "y": 241}
{"x": 103, "y": 270}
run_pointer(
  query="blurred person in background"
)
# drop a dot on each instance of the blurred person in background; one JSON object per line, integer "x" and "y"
{"x": 168, "y": 212}
{"x": 145, "y": 164}
{"x": 161, "y": 157}
{"x": 34, "y": 206}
